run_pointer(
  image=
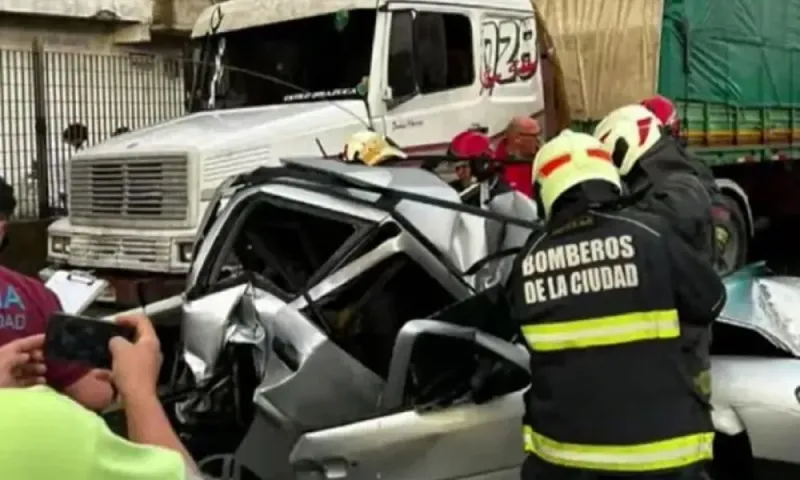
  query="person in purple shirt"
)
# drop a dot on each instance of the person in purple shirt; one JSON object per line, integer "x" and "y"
{"x": 25, "y": 307}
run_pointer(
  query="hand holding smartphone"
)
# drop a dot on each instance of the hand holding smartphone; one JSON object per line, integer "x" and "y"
{"x": 82, "y": 339}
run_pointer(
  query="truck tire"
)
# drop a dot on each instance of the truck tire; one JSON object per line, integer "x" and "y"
{"x": 731, "y": 236}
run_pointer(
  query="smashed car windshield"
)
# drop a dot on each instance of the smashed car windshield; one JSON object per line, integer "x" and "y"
{"x": 328, "y": 56}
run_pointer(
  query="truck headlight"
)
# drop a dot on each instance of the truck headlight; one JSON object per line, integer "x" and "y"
{"x": 185, "y": 252}
{"x": 59, "y": 244}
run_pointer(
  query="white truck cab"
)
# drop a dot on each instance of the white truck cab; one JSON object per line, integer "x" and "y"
{"x": 282, "y": 79}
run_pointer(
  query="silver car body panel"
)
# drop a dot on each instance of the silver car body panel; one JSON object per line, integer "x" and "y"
{"x": 765, "y": 303}
{"x": 759, "y": 395}
{"x": 461, "y": 237}
{"x": 323, "y": 416}
{"x": 476, "y": 440}
{"x": 755, "y": 394}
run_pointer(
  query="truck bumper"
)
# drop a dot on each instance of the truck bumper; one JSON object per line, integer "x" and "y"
{"x": 130, "y": 289}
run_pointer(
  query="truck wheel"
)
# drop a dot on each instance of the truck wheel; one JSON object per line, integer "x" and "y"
{"x": 731, "y": 236}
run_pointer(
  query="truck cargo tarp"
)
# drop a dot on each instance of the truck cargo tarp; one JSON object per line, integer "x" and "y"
{"x": 608, "y": 49}
{"x": 736, "y": 52}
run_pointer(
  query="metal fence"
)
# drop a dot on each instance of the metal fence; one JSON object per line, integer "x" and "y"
{"x": 53, "y": 104}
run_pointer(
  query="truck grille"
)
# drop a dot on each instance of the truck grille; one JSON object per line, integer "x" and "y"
{"x": 129, "y": 189}
{"x": 119, "y": 252}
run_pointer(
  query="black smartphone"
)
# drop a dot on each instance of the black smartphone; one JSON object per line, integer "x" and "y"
{"x": 82, "y": 339}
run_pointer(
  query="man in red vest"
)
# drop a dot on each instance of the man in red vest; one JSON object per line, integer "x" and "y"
{"x": 517, "y": 149}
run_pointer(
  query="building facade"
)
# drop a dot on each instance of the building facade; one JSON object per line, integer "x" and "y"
{"x": 73, "y": 72}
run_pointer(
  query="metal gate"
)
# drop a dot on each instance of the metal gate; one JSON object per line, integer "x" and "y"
{"x": 54, "y": 103}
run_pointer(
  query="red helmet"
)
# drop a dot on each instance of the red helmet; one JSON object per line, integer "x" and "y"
{"x": 470, "y": 144}
{"x": 665, "y": 110}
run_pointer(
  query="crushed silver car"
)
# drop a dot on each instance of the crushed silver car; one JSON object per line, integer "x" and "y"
{"x": 332, "y": 330}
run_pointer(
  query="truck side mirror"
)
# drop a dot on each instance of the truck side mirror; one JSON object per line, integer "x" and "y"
{"x": 414, "y": 330}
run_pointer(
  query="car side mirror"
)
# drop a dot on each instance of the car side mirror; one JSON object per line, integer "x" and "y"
{"x": 414, "y": 330}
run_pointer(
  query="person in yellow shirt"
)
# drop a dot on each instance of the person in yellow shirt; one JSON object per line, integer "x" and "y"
{"x": 47, "y": 435}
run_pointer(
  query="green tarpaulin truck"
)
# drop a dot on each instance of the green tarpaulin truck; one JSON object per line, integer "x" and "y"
{"x": 727, "y": 64}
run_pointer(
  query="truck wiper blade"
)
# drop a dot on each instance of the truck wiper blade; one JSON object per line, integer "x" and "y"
{"x": 207, "y": 65}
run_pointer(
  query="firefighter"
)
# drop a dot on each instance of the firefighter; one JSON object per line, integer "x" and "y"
{"x": 372, "y": 149}
{"x": 603, "y": 295}
{"x": 665, "y": 111}
{"x": 659, "y": 175}
{"x": 466, "y": 145}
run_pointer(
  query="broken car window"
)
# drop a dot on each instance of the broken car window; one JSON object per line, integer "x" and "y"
{"x": 367, "y": 313}
{"x": 286, "y": 245}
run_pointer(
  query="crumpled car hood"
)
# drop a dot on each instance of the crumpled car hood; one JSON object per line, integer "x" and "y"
{"x": 765, "y": 303}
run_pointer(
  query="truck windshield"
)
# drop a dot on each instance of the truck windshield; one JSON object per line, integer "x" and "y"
{"x": 305, "y": 60}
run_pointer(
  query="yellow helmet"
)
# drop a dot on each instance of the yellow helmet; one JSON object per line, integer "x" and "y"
{"x": 628, "y": 133}
{"x": 370, "y": 148}
{"x": 567, "y": 160}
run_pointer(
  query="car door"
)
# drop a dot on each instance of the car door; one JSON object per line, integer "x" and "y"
{"x": 430, "y": 82}
{"x": 437, "y": 438}
{"x": 467, "y": 441}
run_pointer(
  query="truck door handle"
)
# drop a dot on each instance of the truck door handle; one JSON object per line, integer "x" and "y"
{"x": 336, "y": 468}
{"x": 477, "y": 127}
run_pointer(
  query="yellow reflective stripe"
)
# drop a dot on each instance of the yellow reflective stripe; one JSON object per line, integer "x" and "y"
{"x": 647, "y": 457}
{"x": 596, "y": 332}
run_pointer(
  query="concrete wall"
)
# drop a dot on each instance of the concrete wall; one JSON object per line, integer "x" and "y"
{"x": 178, "y": 15}
{"x": 139, "y": 11}
{"x": 74, "y": 35}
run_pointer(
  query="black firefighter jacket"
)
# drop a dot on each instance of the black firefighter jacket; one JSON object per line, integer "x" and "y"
{"x": 681, "y": 190}
{"x": 667, "y": 181}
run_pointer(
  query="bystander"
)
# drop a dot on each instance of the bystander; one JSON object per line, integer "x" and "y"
{"x": 26, "y": 305}
{"x": 49, "y": 436}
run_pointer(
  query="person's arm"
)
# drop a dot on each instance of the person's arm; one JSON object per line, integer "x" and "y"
{"x": 91, "y": 388}
{"x": 699, "y": 292}
{"x": 135, "y": 373}
{"x": 685, "y": 203}
{"x": 148, "y": 424}
{"x": 21, "y": 362}
{"x": 681, "y": 195}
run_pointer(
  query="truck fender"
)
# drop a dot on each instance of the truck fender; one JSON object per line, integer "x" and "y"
{"x": 733, "y": 190}
{"x": 726, "y": 420}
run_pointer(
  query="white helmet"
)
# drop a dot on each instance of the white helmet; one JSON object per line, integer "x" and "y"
{"x": 370, "y": 148}
{"x": 628, "y": 133}
{"x": 568, "y": 160}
